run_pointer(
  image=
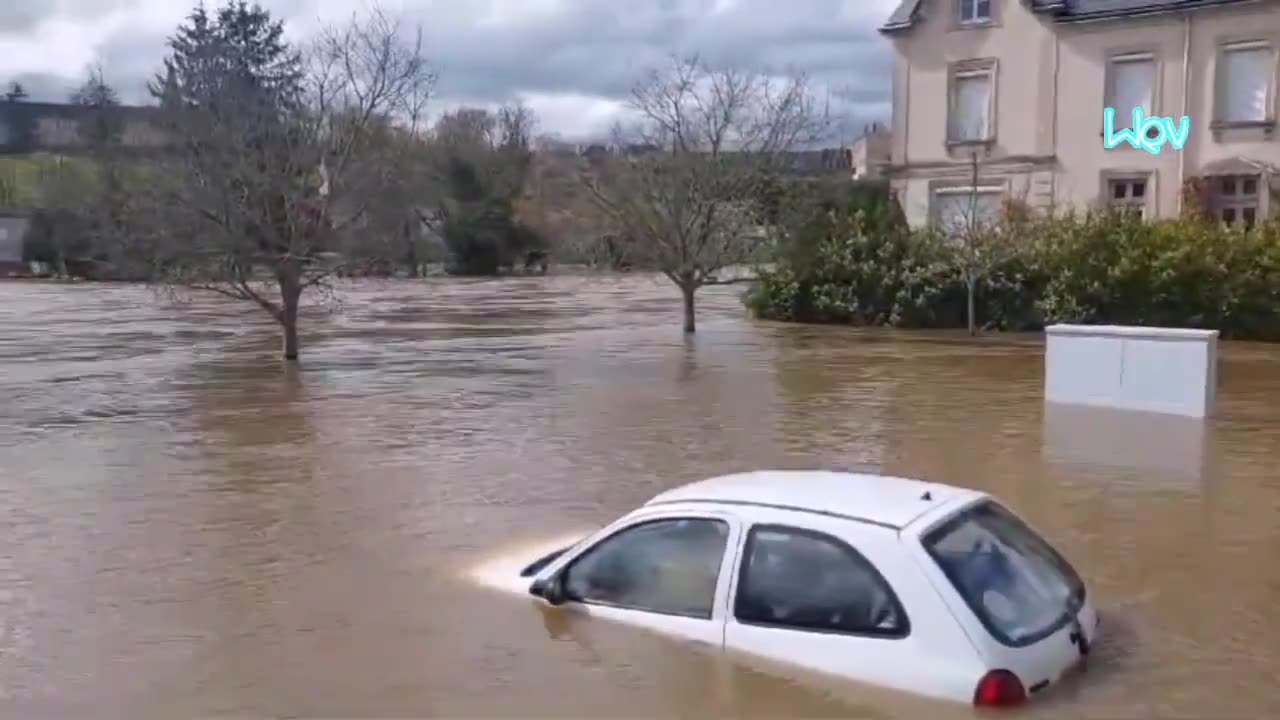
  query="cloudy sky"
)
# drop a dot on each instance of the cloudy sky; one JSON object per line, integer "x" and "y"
{"x": 572, "y": 61}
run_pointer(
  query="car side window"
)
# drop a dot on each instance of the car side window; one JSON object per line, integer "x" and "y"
{"x": 807, "y": 580}
{"x": 664, "y": 566}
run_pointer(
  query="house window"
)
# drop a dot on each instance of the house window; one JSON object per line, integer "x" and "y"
{"x": 972, "y": 103}
{"x": 1128, "y": 194}
{"x": 974, "y": 12}
{"x": 956, "y": 210}
{"x": 1236, "y": 199}
{"x": 1131, "y": 81}
{"x": 1244, "y": 82}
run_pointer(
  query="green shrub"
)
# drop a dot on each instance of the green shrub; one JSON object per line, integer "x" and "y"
{"x": 836, "y": 265}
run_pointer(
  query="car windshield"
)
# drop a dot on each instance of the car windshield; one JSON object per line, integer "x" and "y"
{"x": 1020, "y": 588}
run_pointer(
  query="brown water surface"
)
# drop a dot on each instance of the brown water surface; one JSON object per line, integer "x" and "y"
{"x": 190, "y": 530}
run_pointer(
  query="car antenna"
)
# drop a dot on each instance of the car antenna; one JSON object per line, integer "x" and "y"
{"x": 926, "y": 496}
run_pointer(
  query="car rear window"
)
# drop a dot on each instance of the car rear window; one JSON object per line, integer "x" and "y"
{"x": 1020, "y": 588}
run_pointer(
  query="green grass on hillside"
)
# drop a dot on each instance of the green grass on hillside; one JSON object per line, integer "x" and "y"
{"x": 21, "y": 176}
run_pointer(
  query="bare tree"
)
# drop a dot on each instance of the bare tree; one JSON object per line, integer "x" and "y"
{"x": 684, "y": 186}
{"x": 258, "y": 181}
{"x": 978, "y": 236}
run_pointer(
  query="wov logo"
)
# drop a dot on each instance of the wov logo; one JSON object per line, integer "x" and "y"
{"x": 1146, "y": 133}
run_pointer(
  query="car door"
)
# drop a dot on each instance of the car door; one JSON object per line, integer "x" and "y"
{"x": 667, "y": 572}
{"x": 812, "y": 592}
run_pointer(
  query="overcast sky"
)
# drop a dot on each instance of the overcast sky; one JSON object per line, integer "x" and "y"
{"x": 572, "y": 61}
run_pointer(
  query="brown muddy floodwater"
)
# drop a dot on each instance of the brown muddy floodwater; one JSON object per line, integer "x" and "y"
{"x": 190, "y": 530}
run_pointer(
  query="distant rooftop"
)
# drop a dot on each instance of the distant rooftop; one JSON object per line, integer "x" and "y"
{"x": 908, "y": 11}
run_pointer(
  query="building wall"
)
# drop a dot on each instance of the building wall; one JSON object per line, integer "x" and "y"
{"x": 31, "y": 127}
{"x": 1084, "y": 51}
{"x": 1021, "y": 46}
{"x": 13, "y": 231}
{"x": 1050, "y": 93}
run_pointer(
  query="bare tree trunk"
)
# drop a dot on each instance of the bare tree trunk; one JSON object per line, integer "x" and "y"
{"x": 690, "y": 325}
{"x": 969, "y": 311}
{"x": 412, "y": 247}
{"x": 290, "y": 297}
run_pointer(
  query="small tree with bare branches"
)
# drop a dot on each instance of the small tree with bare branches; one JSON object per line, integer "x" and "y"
{"x": 257, "y": 182}
{"x": 978, "y": 230}
{"x": 684, "y": 186}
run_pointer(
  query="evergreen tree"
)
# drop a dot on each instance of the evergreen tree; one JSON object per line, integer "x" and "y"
{"x": 234, "y": 59}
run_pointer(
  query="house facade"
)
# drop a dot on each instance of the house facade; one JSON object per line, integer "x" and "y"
{"x": 1016, "y": 90}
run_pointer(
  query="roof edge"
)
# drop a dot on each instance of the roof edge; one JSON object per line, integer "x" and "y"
{"x": 903, "y": 17}
{"x": 1062, "y": 14}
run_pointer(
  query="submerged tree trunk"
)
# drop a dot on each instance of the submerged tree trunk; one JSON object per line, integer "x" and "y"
{"x": 290, "y": 297}
{"x": 689, "y": 322}
{"x": 969, "y": 309}
{"x": 411, "y": 256}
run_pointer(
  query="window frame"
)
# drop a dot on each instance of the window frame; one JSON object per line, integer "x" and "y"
{"x": 567, "y": 569}
{"x": 1000, "y": 190}
{"x": 1237, "y": 202}
{"x": 844, "y": 547}
{"x": 1221, "y": 101}
{"x": 1109, "y": 82}
{"x": 976, "y": 20}
{"x": 1143, "y": 204}
{"x": 987, "y": 68}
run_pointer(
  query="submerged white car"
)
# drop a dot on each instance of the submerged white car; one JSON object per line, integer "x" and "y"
{"x": 915, "y": 586}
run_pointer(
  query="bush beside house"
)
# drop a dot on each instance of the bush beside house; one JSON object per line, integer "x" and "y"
{"x": 845, "y": 263}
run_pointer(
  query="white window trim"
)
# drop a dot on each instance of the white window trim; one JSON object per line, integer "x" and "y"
{"x": 968, "y": 189}
{"x": 983, "y": 20}
{"x": 989, "y": 72}
{"x": 1220, "y": 81}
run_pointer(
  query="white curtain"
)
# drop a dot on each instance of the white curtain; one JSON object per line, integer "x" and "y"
{"x": 972, "y": 105}
{"x": 1246, "y": 74}
{"x": 953, "y": 210}
{"x": 1132, "y": 83}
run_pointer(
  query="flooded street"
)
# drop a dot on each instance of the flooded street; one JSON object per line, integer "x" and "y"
{"x": 190, "y": 530}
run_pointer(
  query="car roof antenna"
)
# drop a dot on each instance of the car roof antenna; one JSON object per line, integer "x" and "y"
{"x": 926, "y": 496}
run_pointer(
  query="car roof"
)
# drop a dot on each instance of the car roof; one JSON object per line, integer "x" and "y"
{"x": 892, "y": 502}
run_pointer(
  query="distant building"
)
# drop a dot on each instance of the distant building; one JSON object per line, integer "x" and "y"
{"x": 27, "y": 127}
{"x": 870, "y": 154}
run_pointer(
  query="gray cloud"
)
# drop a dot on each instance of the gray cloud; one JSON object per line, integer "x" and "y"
{"x": 591, "y": 48}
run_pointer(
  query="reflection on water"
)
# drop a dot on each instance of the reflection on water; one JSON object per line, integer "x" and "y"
{"x": 1118, "y": 446}
{"x": 191, "y": 530}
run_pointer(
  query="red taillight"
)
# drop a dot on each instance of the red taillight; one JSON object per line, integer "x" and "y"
{"x": 999, "y": 688}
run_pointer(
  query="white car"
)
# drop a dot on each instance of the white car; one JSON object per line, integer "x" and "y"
{"x": 915, "y": 586}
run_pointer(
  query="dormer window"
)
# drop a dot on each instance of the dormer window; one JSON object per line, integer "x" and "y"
{"x": 975, "y": 12}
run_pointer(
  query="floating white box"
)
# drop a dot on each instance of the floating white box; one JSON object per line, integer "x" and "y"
{"x": 1163, "y": 370}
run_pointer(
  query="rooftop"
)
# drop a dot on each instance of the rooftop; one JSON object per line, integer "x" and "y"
{"x": 908, "y": 11}
{"x": 880, "y": 499}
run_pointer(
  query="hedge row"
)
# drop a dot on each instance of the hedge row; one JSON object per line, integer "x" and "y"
{"x": 850, "y": 263}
